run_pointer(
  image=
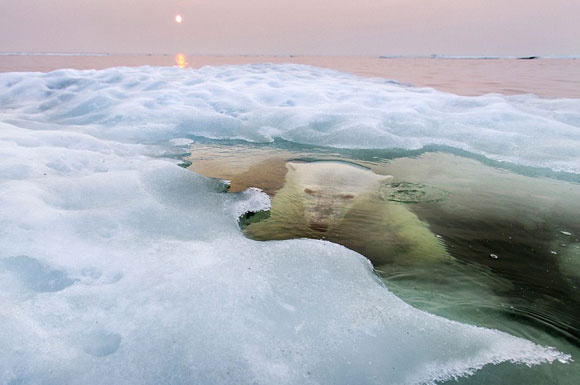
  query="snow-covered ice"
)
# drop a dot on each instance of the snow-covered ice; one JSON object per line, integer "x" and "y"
{"x": 297, "y": 103}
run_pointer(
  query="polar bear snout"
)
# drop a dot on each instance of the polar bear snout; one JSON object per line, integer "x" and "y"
{"x": 325, "y": 207}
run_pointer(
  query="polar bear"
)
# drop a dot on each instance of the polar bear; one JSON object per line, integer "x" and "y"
{"x": 341, "y": 202}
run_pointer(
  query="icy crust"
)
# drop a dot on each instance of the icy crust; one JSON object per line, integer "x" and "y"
{"x": 120, "y": 268}
{"x": 297, "y": 103}
{"x": 250, "y": 201}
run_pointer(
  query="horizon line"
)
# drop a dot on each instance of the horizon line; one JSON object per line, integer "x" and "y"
{"x": 379, "y": 56}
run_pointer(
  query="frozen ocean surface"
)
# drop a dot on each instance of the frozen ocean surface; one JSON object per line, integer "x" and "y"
{"x": 297, "y": 103}
{"x": 117, "y": 264}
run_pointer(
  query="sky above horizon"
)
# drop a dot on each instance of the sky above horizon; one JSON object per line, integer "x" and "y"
{"x": 340, "y": 27}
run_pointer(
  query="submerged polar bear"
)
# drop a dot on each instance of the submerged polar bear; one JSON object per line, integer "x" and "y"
{"x": 341, "y": 202}
{"x": 330, "y": 189}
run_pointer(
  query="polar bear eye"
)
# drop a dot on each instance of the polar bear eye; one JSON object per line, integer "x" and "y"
{"x": 346, "y": 196}
{"x": 308, "y": 191}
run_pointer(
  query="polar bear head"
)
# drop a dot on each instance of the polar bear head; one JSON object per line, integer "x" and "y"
{"x": 329, "y": 189}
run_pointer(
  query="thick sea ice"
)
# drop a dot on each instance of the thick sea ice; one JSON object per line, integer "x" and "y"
{"x": 118, "y": 266}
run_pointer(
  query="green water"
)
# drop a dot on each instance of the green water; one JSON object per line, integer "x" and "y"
{"x": 448, "y": 234}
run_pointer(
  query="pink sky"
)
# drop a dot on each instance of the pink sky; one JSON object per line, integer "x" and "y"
{"x": 371, "y": 27}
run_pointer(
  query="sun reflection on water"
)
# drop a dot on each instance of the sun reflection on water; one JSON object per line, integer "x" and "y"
{"x": 181, "y": 60}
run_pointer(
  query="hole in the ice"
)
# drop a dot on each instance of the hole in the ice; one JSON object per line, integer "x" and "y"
{"x": 184, "y": 164}
{"x": 35, "y": 275}
{"x": 253, "y": 217}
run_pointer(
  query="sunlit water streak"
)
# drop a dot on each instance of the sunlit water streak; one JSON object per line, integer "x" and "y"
{"x": 181, "y": 61}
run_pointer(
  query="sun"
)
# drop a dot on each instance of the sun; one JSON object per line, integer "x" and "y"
{"x": 178, "y": 19}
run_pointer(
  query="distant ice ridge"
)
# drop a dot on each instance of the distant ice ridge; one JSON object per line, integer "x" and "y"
{"x": 297, "y": 103}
